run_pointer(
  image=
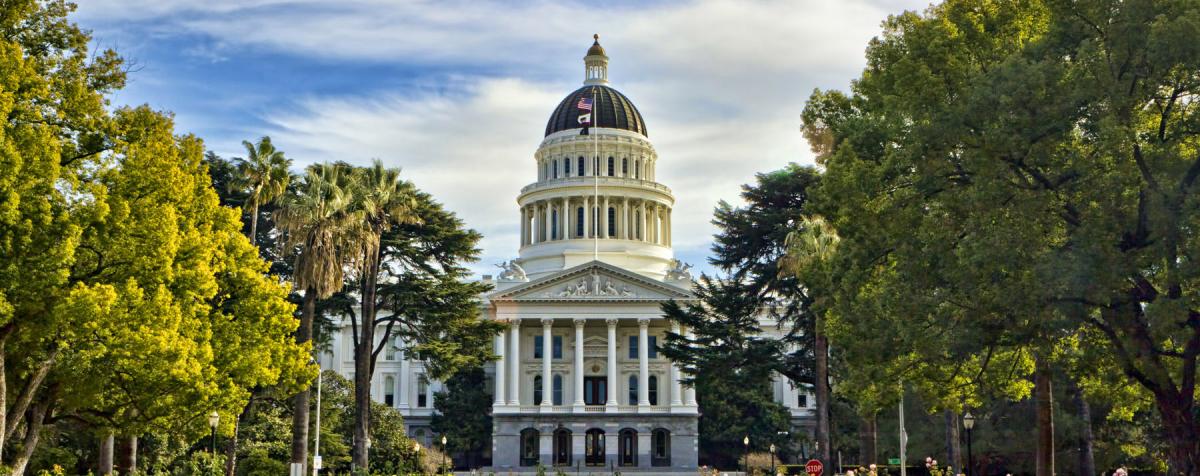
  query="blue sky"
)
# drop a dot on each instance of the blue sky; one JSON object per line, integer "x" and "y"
{"x": 457, "y": 92}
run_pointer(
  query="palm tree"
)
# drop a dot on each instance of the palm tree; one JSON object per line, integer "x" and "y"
{"x": 810, "y": 250}
{"x": 383, "y": 200}
{"x": 320, "y": 224}
{"x": 264, "y": 175}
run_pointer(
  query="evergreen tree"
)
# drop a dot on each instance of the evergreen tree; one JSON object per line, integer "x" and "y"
{"x": 468, "y": 430}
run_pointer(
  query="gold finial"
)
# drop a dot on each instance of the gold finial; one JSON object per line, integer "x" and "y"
{"x": 596, "y": 36}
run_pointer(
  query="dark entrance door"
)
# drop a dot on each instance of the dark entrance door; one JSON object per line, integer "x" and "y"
{"x": 562, "y": 447}
{"x": 595, "y": 390}
{"x": 594, "y": 447}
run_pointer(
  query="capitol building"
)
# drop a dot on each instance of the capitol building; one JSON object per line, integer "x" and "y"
{"x": 579, "y": 380}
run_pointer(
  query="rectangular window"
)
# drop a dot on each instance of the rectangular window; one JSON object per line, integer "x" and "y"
{"x": 422, "y": 392}
{"x": 557, "y": 342}
{"x": 633, "y": 348}
{"x": 579, "y": 169}
{"x": 802, "y": 400}
{"x": 537, "y": 347}
{"x": 653, "y": 349}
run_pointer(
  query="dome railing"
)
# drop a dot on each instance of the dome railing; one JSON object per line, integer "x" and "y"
{"x": 589, "y": 179}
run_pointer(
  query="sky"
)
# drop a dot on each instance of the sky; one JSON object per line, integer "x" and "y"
{"x": 457, "y": 93}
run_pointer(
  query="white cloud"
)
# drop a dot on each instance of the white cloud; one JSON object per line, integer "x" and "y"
{"x": 720, "y": 83}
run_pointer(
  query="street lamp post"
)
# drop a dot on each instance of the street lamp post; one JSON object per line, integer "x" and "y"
{"x": 969, "y": 424}
{"x": 214, "y": 419}
{"x": 443, "y": 466}
{"x": 746, "y": 455}
{"x": 773, "y": 459}
{"x": 417, "y": 456}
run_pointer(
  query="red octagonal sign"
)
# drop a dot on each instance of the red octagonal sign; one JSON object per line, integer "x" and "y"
{"x": 813, "y": 467}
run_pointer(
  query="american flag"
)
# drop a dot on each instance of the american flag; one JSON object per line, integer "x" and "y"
{"x": 585, "y": 104}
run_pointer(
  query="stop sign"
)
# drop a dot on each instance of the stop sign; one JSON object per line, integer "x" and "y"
{"x": 813, "y": 467}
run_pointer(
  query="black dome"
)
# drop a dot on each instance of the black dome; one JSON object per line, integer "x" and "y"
{"x": 613, "y": 110}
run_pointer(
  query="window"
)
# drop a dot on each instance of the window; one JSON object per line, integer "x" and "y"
{"x": 389, "y": 390}
{"x": 660, "y": 447}
{"x": 566, "y": 167}
{"x": 595, "y": 390}
{"x": 637, "y": 224}
{"x": 595, "y": 166}
{"x": 653, "y": 348}
{"x": 557, "y": 343}
{"x": 389, "y": 351}
{"x": 537, "y": 390}
{"x": 633, "y": 390}
{"x": 627, "y": 454}
{"x": 562, "y": 447}
{"x": 653, "y": 386}
{"x": 579, "y": 222}
{"x": 545, "y": 170}
{"x": 802, "y": 400}
{"x": 612, "y": 222}
{"x": 529, "y": 447}
{"x": 558, "y": 389}
{"x": 625, "y": 167}
{"x": 611, "y": 166}
{"x": 554, "y": 224}
{"x": 579, "y": 170}
{"x": 422, "y": 391}
{"x": 593, "y": 447}
{"x": 554, "y": 165}
{"x": 633, "y": 347}
{"x": 538, "y": 345}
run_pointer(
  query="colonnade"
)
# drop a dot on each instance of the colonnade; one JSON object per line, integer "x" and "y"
{"x": 611, "y": 217}
{"x": 508, "y": 368}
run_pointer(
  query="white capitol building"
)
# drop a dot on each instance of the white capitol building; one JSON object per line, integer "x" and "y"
{"x": 579, "y": 380}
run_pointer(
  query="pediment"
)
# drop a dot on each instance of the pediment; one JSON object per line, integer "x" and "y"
{"x": 593, "y": 281}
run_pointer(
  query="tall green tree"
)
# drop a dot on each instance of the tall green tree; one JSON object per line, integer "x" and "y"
{"x": 1015, "y": 175}
{"x": 731, "y": 365}
{"x": 468, "y": 431}
{"x": 320, "y": 224}
{"x": 264, "y": 176}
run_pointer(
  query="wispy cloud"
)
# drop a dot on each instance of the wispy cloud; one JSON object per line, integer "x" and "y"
{"x": 721, "y": 84}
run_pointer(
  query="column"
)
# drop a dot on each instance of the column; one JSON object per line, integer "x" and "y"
{"x": 501, "y": 367}
{"x": 587, "y": 217}
{"x": 514, "y": 354}
{"x": 604, "y": 219}
{"x": 689, "y": 395}
{"x": 547, "y": 355}
{"x": 611, "y": 404}
{"x": 676, "y": 386}
{"x": 405, "y": 381}
{"x": 643, "y": 363}
{"x": 642, "y": 222}
{"x": 523, "y": 232}
{"x": 579, "y": 364}
{"x": 564, "y": 219}
{"x": 549, "y": 224}
{"x": 667, "y": 226}
{"x": 625, "y": 219}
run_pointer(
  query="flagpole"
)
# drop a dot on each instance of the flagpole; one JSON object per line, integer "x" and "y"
{"x": 596, "y": 175}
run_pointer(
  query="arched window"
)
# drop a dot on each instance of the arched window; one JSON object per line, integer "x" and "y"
{"x": 633, "y": 390}
{"x": 653, "y": 389}
{"x": 593, "y": 447}
{"x": 389, "y": 390}
{"x": 625, "y": 167}
{"x": 529, "y": 447}
{"x": 554, "y": 224}
{"x": 627, "y": 450}
{"x": 558, "y": 389}
{"x": 562, "y": 447}
{"x": 611, "y": 166}
{"x": 537, "y": 390}
{"x": 612, "y": 222}
{"x": 579, "y": 169}
{"x": 579, "y": 221}
{"x": 660, "y": 447}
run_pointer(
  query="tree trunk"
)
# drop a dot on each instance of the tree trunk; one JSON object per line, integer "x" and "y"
{"x": 26, "y": 397}
{"x": 364, "y": 366}
{"x": 822, "y": 396}
{"x": 33, "y": 429}
{"x": 1044, "y": 396}
{"x": 231, "y": 446}
{"x": 254, "y": 225}
{"x": 868, "y": 438}
{"x": 300, "y": 409}
{"x": 1087, "y": 461}
{"x": 127, "y": 463}
{"x": 953, "y": 442}
{"x": 1183, "y": 442}
{"x": 106, "y": 454}
{"x": 3, "y": 390}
